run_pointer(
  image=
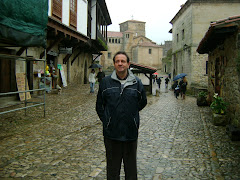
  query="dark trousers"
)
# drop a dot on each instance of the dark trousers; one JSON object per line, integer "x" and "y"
{"x": 116, "y": 151}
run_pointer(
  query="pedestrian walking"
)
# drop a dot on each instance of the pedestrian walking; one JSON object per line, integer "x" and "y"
{"x": 166, "y": 82}
{"x": 183, "y": 87}
{"x": 158, "y": 79}
{"x": 100, "y": 75}
{"x": 92, "y": 80}
{"x": 177, "y": 91}
{"x": 120, "y": 97}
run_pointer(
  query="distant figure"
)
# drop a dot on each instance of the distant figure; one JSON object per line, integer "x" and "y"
{"x": 183, "y": 87}
{"x": 158, "y": 79}
{"x": 177, "y": 91}
{"x": 92, "y": 80}
{"x": 154, "y": 78}
{"x": 169, "y": 76}
{"x": 100, "y": 75}
{"x": 174, "y": 85}
{"x": 166, "y": 82}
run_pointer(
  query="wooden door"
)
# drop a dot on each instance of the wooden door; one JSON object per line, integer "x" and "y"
{"x": 7, "y": 72}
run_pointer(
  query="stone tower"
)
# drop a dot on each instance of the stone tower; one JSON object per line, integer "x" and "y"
{"x": 137, "y": 27}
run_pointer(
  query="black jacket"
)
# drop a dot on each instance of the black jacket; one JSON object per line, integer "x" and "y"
{"x": 118, "y": 106}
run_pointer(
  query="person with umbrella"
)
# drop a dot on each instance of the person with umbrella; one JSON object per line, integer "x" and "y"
{"x": 92, "y": 80}
{"x": 183, "y": 87}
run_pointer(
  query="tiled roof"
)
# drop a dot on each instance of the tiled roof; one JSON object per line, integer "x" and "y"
{"x": 149, "y": 44}
{"x": 146, "y": 69}
{"x": 226, "y": 21}
{"x": 217, "y": 33}
{"x": 114, "y": 34}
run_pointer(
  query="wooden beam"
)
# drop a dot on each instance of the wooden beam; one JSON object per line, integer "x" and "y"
{"x": 65, "y": 60}
{"x": 76, "y": 56}
{"x": 57, "y": 40}
{"x": 20, "y": 51}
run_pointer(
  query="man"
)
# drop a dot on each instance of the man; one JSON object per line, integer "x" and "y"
{"x": 166, "y": 82}
{"x": 120, "y": 98}
{"x": 100, "y": 75}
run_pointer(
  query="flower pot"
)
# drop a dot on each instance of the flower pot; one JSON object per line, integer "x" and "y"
{"x": 219, "y": 119}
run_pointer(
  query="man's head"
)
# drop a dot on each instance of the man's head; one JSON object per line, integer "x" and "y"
{"x": 121, "y": 62}
{"x": 123, "y": 53}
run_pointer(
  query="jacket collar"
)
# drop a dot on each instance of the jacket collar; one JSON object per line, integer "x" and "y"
{"x": 130, "y": 79}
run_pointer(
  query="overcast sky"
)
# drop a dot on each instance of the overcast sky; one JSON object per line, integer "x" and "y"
{"x": 156, "y": 13}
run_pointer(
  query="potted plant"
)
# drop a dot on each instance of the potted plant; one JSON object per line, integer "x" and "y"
{"x": 219, "y": 107}
{"x": 202, "y": 98}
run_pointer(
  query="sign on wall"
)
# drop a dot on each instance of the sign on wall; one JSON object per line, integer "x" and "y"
{"x": 20, "y": 78}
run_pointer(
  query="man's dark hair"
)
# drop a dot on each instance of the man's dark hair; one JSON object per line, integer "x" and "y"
{"x": 121, "y": 52}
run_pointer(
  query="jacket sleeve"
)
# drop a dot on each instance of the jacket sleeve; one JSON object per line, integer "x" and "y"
{"x": 100, "y": 105}
{"x": 142, "y": 102}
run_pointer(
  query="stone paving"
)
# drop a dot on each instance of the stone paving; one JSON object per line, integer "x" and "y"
{"x": 176, "y": 141}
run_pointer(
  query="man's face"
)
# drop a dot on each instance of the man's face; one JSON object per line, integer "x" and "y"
{"x": 121, "y": 65}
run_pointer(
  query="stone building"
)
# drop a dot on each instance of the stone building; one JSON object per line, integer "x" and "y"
{"x": 131, "y": 39}
{"x": 222, "y": 44}
{"x": 166, "y": 62}
{"x": 188, "y": 28}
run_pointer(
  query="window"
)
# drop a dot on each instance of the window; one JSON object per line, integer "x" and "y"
{"x": 177, "y": 37}
{"x": 206, "y": 67}
{"x": 112, "y": 40}
{"x": 183, "y": 36}
{"x": 149, "y": 51}
{"x": 119, "y": 41}
{"x": 127, "y": 35}
{"x": 73, "y": 13}
{"x": 109, "y": 55}
{"x": 115, "y": 40}
{"x": 109, "y": 40}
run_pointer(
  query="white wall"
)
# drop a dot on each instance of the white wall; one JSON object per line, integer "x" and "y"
{"x": 49, "y": 7}
{"x": 94, "y": 21}
{"x": 82, "y": 16}
{"x": 65, "y": 12}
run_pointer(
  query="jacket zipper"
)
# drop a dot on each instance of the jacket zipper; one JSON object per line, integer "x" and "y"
{"x": 108, "y": 122}
{"x": 135, "y": 122}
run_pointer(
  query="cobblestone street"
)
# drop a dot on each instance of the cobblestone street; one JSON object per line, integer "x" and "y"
{"x": 176, "y": 141}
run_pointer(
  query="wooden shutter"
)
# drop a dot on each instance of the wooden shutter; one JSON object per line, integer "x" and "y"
{"x": 57, "y": 9}
{"x": 73, "y": 13}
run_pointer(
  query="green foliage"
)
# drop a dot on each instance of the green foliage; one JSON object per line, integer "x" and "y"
{"x": 202, "y": 94}
{"x": 218, "y": 106}
{"x": 103, "y": 44}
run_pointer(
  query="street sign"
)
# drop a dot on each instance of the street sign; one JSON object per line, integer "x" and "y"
{"x": 65, "y": 50}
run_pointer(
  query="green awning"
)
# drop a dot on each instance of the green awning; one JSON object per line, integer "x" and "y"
{"x": 24, "y": 22}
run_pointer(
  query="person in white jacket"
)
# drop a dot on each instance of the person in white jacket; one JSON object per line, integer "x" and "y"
{"x": 92, "y": 80}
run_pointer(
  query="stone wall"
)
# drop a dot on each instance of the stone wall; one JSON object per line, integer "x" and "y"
{"x": 229, "y": 77}
{"x": 154, "y": 59}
